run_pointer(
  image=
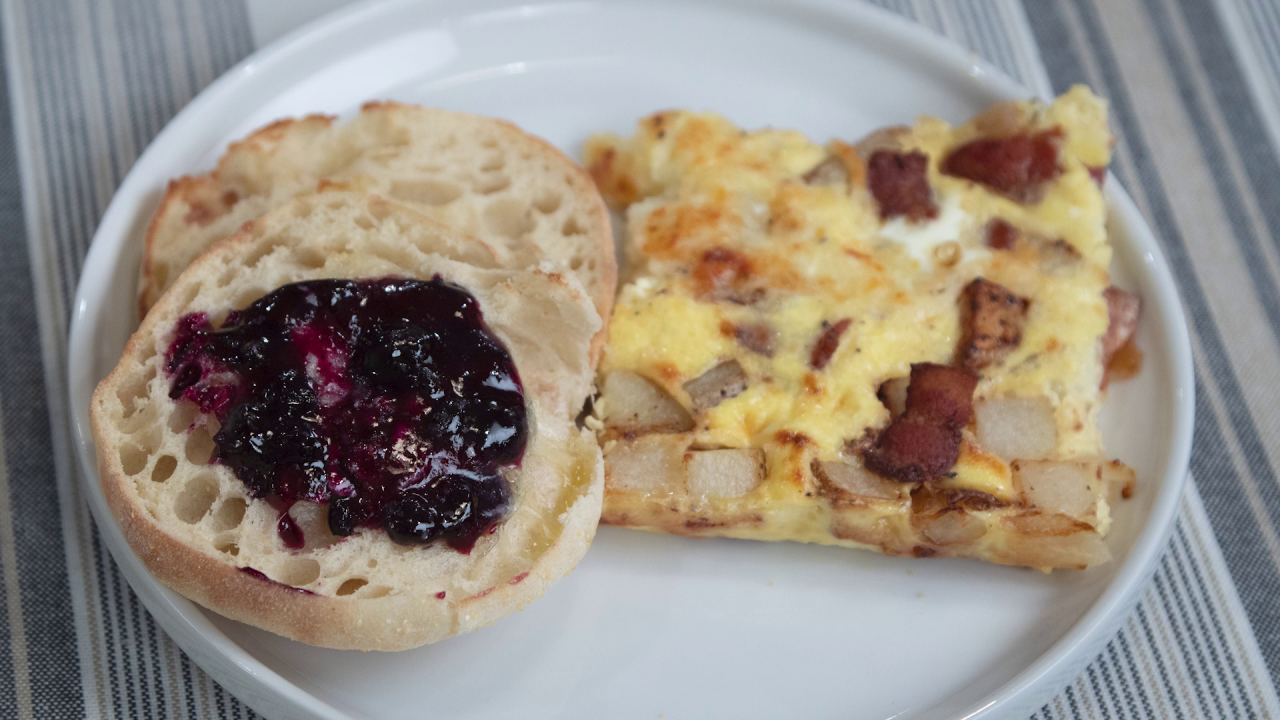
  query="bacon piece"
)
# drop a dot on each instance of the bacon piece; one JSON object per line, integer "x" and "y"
{"x": 1017, "y": 166}
{"x": 924, "y": 442}
{"x": 942, "y": 393}
{"x": 1123, "y": 308}
{"x": 1001, "y": 235}
{"x": 914, "y": 449}
{"x": 1098, "y": 173}
{"x": 827, "y": 343}
{"x": 991, "y": 319}
{"x": 900, "y": 185}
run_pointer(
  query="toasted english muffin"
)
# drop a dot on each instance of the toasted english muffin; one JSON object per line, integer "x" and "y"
{"x": 898, "y": 345}
{"x": 190, "y": 515}
{"x": 481, "y": 175}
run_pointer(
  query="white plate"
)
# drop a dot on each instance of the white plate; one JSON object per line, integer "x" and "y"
{"x": 650, "y": 624}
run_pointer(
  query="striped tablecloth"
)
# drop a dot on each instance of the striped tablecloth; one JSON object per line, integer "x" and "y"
{"x": 1195, "y": 93}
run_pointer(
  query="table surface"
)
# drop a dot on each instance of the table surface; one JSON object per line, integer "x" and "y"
{"x": 1195, "y": 95}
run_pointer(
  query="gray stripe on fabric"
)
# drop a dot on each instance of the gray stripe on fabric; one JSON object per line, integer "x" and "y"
{"x": 41, "y": 571}
{"x": 12, "y": 701}
{"x": 900, "y": 7}
{"x": 1129, "y": 670}
{"x": 1260, "y": 157}
{"x": 1098, "y": 670}
{"x": 1236, "y": 528}
{"x": 1149, "y": 638}
{"x": 1267, "y": 21}
{"x": 111, "y": 644}
{"x": 1193, "y": 295}
{"x": 8, "y": 689}
{"x": 995, "y": 44}
{"x": 1188, "y": 649}
{"x": 1246, "y": 129}
{"x": 1092, "y": 674}
{"x": 1207, "y": 618}
{"x": 16, "y": 651}
{"x": 130, "y": 640}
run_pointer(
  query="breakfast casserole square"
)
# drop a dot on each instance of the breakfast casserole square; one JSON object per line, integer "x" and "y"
{"x": 899, "y": 344}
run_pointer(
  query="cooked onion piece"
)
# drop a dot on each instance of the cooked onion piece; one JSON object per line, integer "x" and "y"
{"x": 724, "y": 381}
{"x": 854, "y": 479}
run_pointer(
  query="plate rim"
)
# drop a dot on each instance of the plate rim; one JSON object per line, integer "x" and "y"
{"x": 263, "y": 688}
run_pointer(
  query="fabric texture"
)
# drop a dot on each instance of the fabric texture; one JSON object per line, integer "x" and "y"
{"x": 1193, "y": 87}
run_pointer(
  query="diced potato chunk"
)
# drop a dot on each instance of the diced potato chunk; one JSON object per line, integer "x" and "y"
{"x": 1018, "y": 428}
{"x": 1120, "y": 480}
{"x": 893, "y": 393}
{"x": 831, "y": 171}
{"x": 1067, "y": 488}
{"x": 855, "y": 479}
{"x": 632, "y": 403}
{"x": 953, "y": 528}
{"x": 652, "y": 463}
{"x": 728, "y": 473}
{"x": 724, "y": 381}
{"x": 1053, "y": 541}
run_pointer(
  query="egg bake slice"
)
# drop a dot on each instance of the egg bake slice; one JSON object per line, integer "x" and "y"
{"x": 899, "y": 344}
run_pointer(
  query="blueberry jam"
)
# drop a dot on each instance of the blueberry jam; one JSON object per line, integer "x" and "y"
{"x": 390, "y": 400}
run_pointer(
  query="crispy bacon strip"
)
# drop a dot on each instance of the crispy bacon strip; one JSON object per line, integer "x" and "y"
{"x": 1123, "y": 308}
{"x": 827, "y": 343}
{"x": 899, "y": 182}
{"x": 991, "y": 320}
{"x": 1017, "y": 166}
{"x": 924, "y": 442}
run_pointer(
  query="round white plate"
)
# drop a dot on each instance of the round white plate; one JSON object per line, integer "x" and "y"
{"x": 651, "y": 625}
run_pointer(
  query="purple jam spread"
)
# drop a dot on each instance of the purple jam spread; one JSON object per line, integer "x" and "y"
{"x": 390, "y": 400}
